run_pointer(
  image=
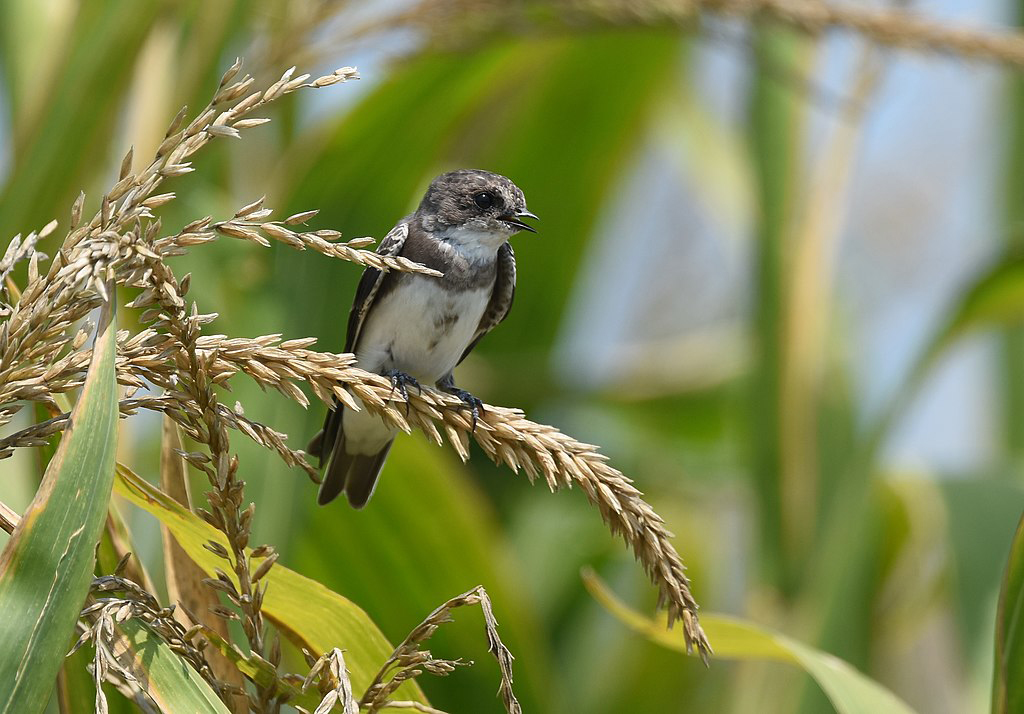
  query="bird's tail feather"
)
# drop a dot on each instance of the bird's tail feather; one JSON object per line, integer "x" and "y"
{"x": 316, "y": 446}
{"x": 324, "y": 441}
{"x": 363, "y": 473}
{"x": 355, "y": 474}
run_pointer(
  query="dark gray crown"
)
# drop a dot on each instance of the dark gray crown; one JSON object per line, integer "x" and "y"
{"x": 460, "y": 196}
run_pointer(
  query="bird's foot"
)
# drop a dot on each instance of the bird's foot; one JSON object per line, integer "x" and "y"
{"x": 400, "y": 381}
{"x": 474, "y": 405}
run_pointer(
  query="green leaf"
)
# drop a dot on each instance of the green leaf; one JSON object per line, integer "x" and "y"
{"x": 166, "y": 677}
{"x": 995, "y": 298}
{"x": 1008, "y": 681}
{"x": 46, "y": 567}
{"x": 303, "y": 609}
{"x": 849, "y": 691}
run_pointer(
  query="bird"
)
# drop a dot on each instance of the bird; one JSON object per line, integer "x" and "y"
{"x": 415, "y": 329}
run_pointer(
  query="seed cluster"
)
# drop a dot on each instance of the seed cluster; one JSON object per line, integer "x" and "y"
{"x": 408, "y": 660}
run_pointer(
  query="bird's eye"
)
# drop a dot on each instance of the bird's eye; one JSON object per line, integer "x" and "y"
{"x": 484, "y": 199}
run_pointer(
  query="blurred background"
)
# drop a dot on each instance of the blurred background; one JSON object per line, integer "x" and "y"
{"x": 761, "y": 262}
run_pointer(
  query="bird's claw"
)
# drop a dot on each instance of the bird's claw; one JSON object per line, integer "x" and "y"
{"x": 474, "y": 404}
{"x": 399, "y": 382}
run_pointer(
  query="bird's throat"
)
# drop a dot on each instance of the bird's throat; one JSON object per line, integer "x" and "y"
{"x": 474, "y": 244}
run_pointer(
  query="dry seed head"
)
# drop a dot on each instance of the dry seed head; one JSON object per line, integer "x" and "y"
{"x": 198, "y": 124}
{"x": 236, "y": 90}
{"x": 216, "y": 548}
{"x": 231, "y": 72}
{"x": 264, "y": 567}
{"x": 76, "y": 210}
{"x": 298, "y": 218}
{"x": 295, "y": 83}
{"x": 246, "y": 104}
{"x": 172, "y": 170}
{"x": 126, "y": 164}
{"x": 250, "y": 208}
{"x": 158, "y": 200}
{"x": 220, "y": 130}
{"x": 250, "y": 123}
{"x": 223, "y": 612}
{"x": 177, "y": 121}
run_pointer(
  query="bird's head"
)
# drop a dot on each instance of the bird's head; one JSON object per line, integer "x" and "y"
{"x": 475, "y": 201}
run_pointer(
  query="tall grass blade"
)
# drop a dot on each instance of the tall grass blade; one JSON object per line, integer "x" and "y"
{"x": 47, "y": 566}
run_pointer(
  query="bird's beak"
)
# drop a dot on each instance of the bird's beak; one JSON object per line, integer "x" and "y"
{"x": 519, "y": 225}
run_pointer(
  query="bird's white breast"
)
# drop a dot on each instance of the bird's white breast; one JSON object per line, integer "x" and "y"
{"x": 420, "y": 328}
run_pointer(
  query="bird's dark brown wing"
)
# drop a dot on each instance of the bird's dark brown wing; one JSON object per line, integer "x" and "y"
{"x": 369, "y": 284}
{"x": 501, "y": 299}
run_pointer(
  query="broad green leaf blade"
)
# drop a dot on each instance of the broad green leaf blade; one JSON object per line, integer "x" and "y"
{"x": 302, "y": 608}
{"x": 1008, "y": 681}
{"x": 166, "y": 677}
{"x": 76, "y": 691}
{"x": 849, "y": 691}
{"x": 174, "y": 685}
{"x": 46, "y": 568}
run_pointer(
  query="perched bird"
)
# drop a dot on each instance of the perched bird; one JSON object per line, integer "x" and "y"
{"x": 416, "y": 328}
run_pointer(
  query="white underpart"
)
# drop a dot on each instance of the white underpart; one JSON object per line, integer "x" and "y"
{"x": 407, "y": 330}
{"x": 420, "y": 328}
{"x": 474, "y": 244}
